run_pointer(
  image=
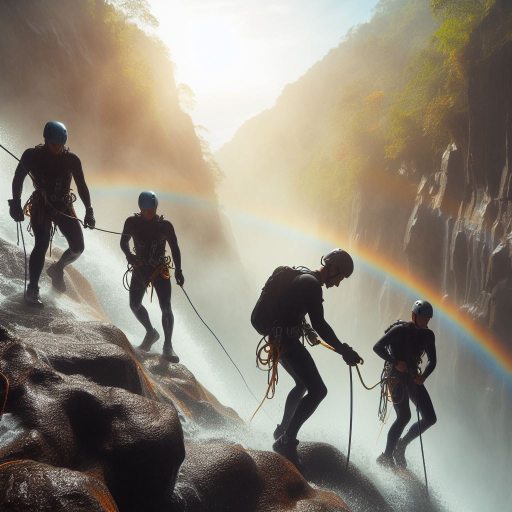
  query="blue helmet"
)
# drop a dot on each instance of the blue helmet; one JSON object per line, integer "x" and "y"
{"x": 148, "y": 200}
{"x": 55, "y": 132}
{"x": 423, "y": 308}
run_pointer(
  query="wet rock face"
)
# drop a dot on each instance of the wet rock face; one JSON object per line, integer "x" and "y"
{"x": 221, "y": 477}
{"x": 134, "y": 443}
{"x": 459, "y": 229}
{"x": 27, "y": 485}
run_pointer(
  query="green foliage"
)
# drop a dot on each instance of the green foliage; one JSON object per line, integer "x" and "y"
{"x": 432, "y": 107}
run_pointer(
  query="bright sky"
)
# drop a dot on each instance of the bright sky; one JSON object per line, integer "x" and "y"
{"x": 237, "y": 55}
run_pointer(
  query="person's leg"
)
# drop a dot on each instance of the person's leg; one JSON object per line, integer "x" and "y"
{"x": 163, "y": 290}
{"x": 421, "y": 398}
{"x": 137, "y": 290}
{"x": 72, "y": 231}
{"x": 41, "y": 232}
{"x": 293, "y": 398}
{"x": 403, "y": 416}
{"x": 299, "y": 363}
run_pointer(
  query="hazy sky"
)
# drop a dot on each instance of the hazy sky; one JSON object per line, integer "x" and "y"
{"x": 237, "y": 55}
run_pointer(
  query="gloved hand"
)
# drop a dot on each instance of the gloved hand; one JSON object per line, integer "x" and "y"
{"x": 89, "y": 221}
{"x": 178, "y": 274}
{"x": 132, "y": 259}
{"x": 15, "y": 210}
{"x": 350, "y": 356}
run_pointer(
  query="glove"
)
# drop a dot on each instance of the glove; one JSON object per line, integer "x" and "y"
{"x": 132, "y": 259}
{"x": 89, "y": 221}
{"x": 178, "y": 274}
{"x": 15, "y": 210}
{"x": 350, "y": 356}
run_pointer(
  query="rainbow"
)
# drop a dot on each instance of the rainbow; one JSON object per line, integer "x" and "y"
{"x": 276, "y": 221}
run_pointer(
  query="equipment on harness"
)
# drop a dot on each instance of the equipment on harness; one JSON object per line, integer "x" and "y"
{"x": 340, "y": 259}
{"x": 148, "y": 200}
{"x": 390, "y": 380}
{"x": 55, "y": 133}
{"x": 423, "y": 308}
{"x": 15, "y": 210}
{"x": 266, "y": 313}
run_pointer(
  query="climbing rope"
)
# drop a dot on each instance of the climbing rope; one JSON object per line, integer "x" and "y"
{"x": 268, "y": 354}
{"x": 220, "y": 343}
{"x": 422, "y": 450}
{"x": 351, "y": 416}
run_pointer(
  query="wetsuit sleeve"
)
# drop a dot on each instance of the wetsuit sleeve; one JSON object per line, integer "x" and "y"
{"x": 125, "y": 238}
{"x": 430, "y": 350}
{"x": 383, "y": 347}
{"x": 81, "y": 186}
{"x": 173, "y": 244}
{"x": 319, "y": 323}
{"x": 20, "y": 174}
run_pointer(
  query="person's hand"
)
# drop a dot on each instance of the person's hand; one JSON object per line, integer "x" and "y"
{"x": 132, "y": 259}
{"x": 419, "y": 379}
{"x": 401, "y": 366}
{"x": 15, "y": 210}
{"x": 350, "y": 356}
{"x": 178, "y": 274}
{"x": 89, "y": 221}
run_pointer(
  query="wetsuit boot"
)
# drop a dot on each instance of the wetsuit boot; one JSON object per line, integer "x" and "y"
{"x": 32, "y": 296}
{"x": 56, "y": 274}
{"x": 149, "y": 339}
{"x": 168, "y": 353}
{"x": 399, "y": 454}
{"x": 287, "y": 447}
{"x": 385, "y": 460}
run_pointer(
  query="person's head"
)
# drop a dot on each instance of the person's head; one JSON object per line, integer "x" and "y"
{"x": 55, "y": 136}
{"x": 422, "y": 312}
{"x": 148, "y": 203}
{"x": 337, "y": 265}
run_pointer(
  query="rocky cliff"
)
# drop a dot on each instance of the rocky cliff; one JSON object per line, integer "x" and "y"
{"x": 458, "y": 234}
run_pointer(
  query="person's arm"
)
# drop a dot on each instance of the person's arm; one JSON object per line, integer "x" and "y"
{"x": 430, "y": 351}
{"x": 172, "y": 240}
{"x": 20, "y": 174}
{"x": 382, "y": 347}
{"x": 125, "y": 241}
{"x": 323, "y": 329}
{"x": 81, "y": 186}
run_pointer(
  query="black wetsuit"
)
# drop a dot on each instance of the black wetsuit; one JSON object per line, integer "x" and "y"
{"x": 149, "y": 238}
{"x": 51, "y": 175}
{"x": 405, "y": 342}
{"x": 304, "y": 296}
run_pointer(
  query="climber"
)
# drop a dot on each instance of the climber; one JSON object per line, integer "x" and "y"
{"x": 150, "y": 232}
{"x": 51, "y": 166}
{"x": 402, "y": 347}
{"x": 287, "y": 297}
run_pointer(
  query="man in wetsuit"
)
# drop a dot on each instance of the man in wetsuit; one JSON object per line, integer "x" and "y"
{"x": 304, "y": 296}
{"x": 402, "y": 348}
{"x": 51, "y": 167}
{"x": 150, "y": 232}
